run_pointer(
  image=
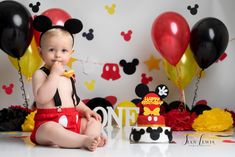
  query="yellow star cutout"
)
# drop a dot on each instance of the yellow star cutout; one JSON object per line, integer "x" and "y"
{"x": 153, "y": 63}
{"x": 69, "y": 64}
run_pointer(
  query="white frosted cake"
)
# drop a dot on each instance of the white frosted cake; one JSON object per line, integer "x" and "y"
{"x": 150, "y": 124}
{"x": 151, "y": 134}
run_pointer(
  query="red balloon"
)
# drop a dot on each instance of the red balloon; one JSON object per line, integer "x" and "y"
{"x": 36, "y": 35}
{"x": 171, "y": 35}
{"x": 57, "y": 16}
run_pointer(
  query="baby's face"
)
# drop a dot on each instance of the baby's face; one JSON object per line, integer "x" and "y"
{"x": 56, "y": 47}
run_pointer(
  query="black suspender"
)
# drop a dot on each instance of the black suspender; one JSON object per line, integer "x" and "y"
{"x": 74, "y": 93}
{"x": 57, "y": 99}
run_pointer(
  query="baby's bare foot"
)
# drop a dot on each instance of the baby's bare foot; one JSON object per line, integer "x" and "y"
{"x": 92, "y": 143}
{"x": 103, "y": 141}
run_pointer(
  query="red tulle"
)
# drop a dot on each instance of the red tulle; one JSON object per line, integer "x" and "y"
{"x": 179, "y": 120}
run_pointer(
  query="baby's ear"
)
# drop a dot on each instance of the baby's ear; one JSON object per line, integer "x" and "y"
{"x": 40, "y": 51}
{"x": 42, "y": 23}
{"x": 73, "y": 26}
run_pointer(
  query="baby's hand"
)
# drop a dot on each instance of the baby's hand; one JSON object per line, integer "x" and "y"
{"x": 91, "y": 113}
{"x": 57, "y": 68}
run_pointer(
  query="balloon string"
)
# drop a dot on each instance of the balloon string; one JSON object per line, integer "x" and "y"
{"x": 196, "y": 89}
{"x": 182, "y": 106}
{"x": 180, "y": 90}
{"x": 22, "y": 85}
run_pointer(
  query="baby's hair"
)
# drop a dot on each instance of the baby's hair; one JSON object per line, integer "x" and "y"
{"x": 43, "y": 24}
{"x": 54, "y": 32}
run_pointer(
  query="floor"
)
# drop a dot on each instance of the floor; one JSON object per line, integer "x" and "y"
{"x": 190, "y": 144}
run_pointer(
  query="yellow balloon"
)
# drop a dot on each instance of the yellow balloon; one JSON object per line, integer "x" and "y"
{"x": 29, "y": 62}
{"x": 127, "y": 104}
{"x": 182, "y": 74}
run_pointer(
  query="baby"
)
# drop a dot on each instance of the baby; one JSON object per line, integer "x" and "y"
{"x": 62, "y": 119}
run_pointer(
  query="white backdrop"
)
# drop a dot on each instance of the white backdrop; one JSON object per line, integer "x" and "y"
{"x": 108, "y": 46}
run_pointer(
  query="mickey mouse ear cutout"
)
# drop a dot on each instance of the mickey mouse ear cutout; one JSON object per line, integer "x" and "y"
{"x": 42, "y": 23}
{"x": 73, "y": 26}
{"x": 141, "y": 90}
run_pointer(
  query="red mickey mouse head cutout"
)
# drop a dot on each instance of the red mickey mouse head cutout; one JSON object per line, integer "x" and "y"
{"x": 145, "y": 80}
{"x": 127, "y": 36}
{"x": 8, "y": 89}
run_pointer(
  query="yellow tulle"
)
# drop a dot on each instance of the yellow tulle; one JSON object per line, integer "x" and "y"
{"x": 215, "y": 120}
{"x": 29, "y": 122}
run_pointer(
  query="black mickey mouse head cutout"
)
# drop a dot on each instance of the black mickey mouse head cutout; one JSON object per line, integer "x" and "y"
{"x": 200, "y": 107}
{"x": 43, "y": 24}
{"x": 129, "y": 67}
{"x": 35, "y": 8}
{"x": 193, "y": 10}
{"x": 108, "y": 101}
{"x": 169, "y": 134}
{"x": 89, "y": 35}
{"x": 136, "y": 134}
{"x": 154, "y": 133}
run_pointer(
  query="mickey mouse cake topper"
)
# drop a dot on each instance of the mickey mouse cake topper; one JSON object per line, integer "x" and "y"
{"x": 43, "y": 24}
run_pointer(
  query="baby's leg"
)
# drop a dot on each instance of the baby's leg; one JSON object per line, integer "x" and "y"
{"x": 93, "y": 128}
{"x": 52, "y": 133}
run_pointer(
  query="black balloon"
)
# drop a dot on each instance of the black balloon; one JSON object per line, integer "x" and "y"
{"x": 208, "y": 40}
{"x": 15, "y": 28}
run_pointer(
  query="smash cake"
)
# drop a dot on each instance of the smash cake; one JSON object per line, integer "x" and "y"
{"x": 150, "y": 124}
